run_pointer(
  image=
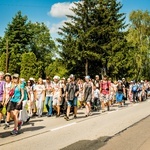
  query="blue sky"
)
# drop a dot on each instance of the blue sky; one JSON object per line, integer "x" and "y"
{"x": 52, "y": 12}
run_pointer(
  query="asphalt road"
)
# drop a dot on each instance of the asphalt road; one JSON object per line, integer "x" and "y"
{"x": 136, "y": 137}
{"x": 92, "y": 133}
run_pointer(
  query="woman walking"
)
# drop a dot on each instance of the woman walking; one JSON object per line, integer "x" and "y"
{"x": 88, "y": 94}
{"x": 120, "y": 93}
{"x": 17, "y": 96}
{"x": 30, "y": 92}
{"x": 39, "y": 96}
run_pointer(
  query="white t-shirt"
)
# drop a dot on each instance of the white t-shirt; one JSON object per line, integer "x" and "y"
{"x": 39, "y": 88}
{"x": 31, "y": 92}
{"x": 49, "y": 89}
{"x": 57, "y": 87}
{"x": 7, "y": 89}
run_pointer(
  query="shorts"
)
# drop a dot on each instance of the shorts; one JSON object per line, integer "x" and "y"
{"x": 119, "y": 97}
{"x": 1, "y": 107}
{"x": 8, "y": 106}
{"x": 72, "y": 102}
{"x": 15, "y": 106}
{"x": 104, "y": 98}
{"x": 56, "y": 101}
{"x": 140, "y": 93}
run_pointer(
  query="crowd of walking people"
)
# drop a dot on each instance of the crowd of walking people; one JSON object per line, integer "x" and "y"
{"x": 20, "y": 100}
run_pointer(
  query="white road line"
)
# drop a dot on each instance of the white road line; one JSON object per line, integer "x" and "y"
{"x": 58, "y": 128}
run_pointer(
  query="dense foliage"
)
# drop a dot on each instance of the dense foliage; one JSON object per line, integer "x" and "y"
{"x": 95, "y": 40}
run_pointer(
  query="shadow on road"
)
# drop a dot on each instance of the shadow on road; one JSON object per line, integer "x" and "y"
{"x": 87, "y": 144}
{"x": 7, "y": 133}
{"x": 36, "y": 120}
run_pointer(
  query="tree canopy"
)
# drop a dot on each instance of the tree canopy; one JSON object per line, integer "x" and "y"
{"x": 95, "y": 40}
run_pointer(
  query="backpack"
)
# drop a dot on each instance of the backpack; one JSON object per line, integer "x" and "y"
{"x": 103, "y": 86}
{"x": 134, "y": 88}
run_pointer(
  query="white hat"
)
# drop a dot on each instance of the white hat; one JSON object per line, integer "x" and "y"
{"x": 1, "y": 73}
{"x": 97, "y": 76}
{"x": 56, "y": 77}
{"x": 32, "y": 79}
{"x": 120, "y": 81}
{"x": 71, "y": 76}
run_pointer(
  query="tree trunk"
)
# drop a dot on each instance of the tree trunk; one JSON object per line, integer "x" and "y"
{"x": 86, "y": 67}
{"x": 6, "y": 55}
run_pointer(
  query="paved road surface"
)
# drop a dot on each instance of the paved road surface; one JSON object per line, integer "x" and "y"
{"x": 83, "y": 133}
{"x": 136, "y": 137}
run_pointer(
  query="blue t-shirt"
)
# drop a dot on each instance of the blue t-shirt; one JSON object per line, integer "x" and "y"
{"x": 17, "y": 93}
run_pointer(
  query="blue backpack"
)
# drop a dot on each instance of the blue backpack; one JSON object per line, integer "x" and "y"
{"x": 134, "y": 88}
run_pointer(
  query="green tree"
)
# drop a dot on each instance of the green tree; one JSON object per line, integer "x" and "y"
{"x": 3, "y": 62}
{"x": 93, "y": 37}
{"x": 24, "y": 36}
{"x": 29, "y": 66}
{"x": 56, "y": 68}
{"x": 17, "y": 34}
{"x": 42, "y": 45}
{"x": 139, "y": 39}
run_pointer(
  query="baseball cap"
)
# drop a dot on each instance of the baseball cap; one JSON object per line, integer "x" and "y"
{"x": 87, "y": 77}
{"x": 15, "y": 75}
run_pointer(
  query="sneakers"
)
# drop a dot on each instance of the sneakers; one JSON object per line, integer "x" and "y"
{"x": 67, "y": 118}
{"x": 6, "y": 126}
{"x": 14, "y": 132}
{"x": 19, "y": 125}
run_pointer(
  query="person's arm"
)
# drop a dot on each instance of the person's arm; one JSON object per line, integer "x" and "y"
{"x": 67, "y": 86}
{"x": 35, "y": 93}
{"x": 43, "y": 93}
{"x": 28, "y": 93}
{"x": 124, "y": 91}
{"x": 77, "y": 90}
{"x": 22, "y": 95}
{"x": 100, "y": 89}
{"x": 4, "y": 97}
{"x": 4, "y": 94}
{"x": 92, "y": 90}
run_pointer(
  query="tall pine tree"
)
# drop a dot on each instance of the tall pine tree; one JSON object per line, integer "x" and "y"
{"x": 94, "y": 37}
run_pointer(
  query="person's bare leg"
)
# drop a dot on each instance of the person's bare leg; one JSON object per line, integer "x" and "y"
{"x": 68, "y": 110}
{"x": 58, "y": 110}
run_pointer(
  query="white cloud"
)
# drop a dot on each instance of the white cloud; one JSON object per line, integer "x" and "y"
{"x": 60, "y": 10}
{"x": 55, "y": 27}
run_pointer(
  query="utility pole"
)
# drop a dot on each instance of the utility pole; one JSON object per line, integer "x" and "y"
{"x": 6, "y": 55}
